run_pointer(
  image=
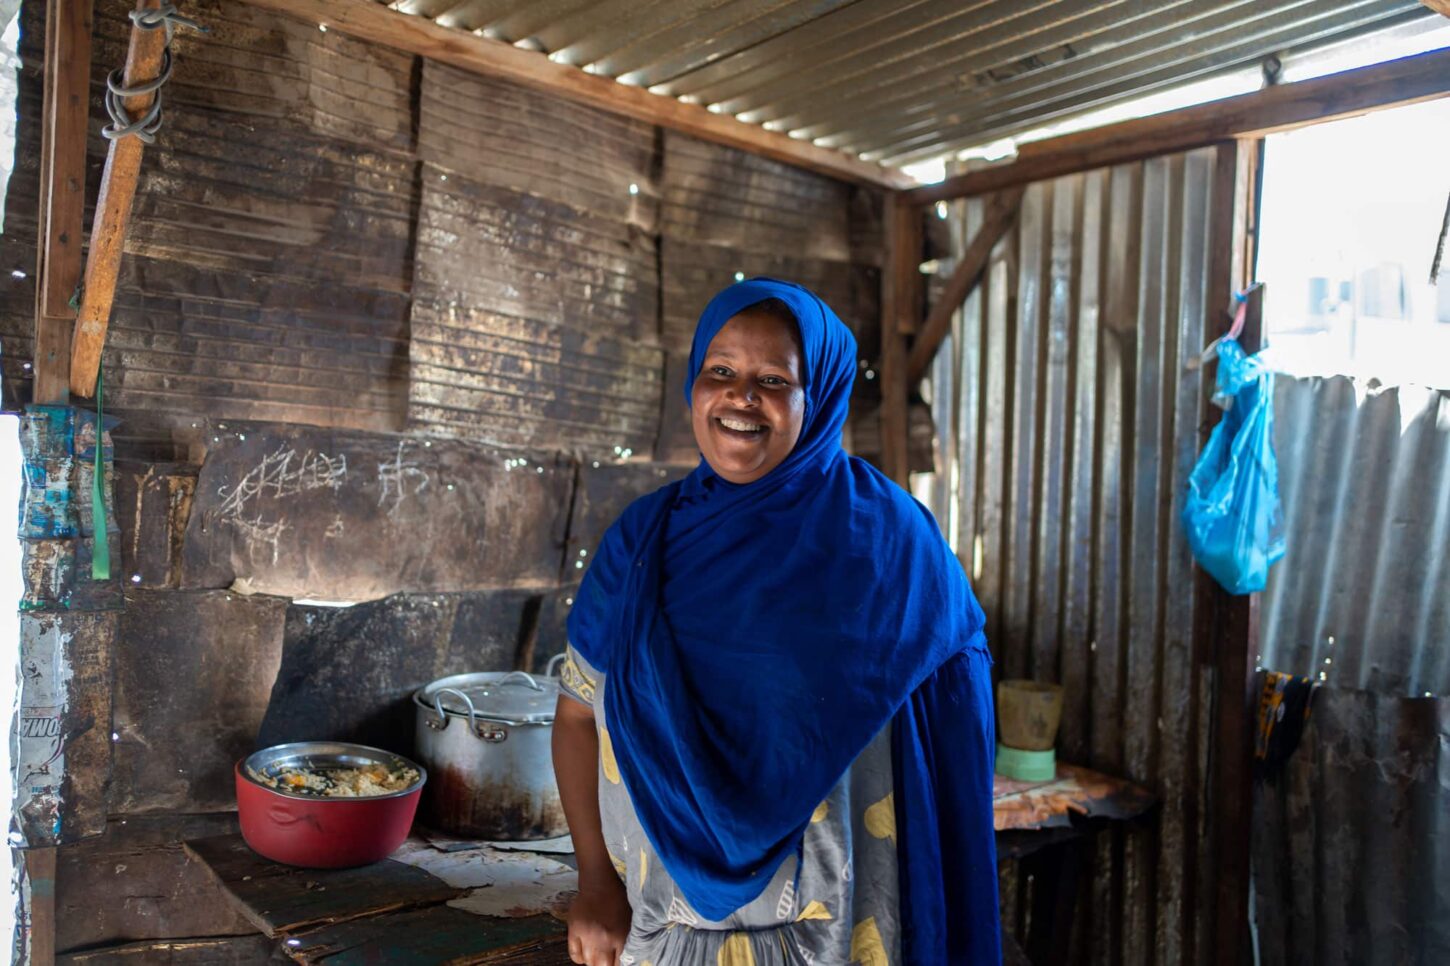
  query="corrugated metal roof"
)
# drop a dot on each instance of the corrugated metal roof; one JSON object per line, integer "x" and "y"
{"x": 904, "y": 80}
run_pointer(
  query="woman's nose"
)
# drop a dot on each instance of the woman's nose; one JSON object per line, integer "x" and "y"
{"x": 742, "y": 389}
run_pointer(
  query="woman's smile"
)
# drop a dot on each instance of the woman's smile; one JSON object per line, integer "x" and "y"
{"x": 742, "y": 427}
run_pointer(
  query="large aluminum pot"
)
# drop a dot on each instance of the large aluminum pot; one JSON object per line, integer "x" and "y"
{"x": 485, "y": 739}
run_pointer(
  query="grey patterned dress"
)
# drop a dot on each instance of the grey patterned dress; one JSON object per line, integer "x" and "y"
{"x": 843, "y": 910}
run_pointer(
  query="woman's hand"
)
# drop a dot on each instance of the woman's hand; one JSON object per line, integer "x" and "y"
{"x": 599, "y": 923}
{"x": 599, "y": 917}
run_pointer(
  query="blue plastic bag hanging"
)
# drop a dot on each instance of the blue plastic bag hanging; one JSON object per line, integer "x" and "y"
{"x": 1232, "y": 512}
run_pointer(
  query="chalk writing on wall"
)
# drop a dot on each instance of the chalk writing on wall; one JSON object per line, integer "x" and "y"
{"x": 394, "y": 477}
{"x": 281, "y": 473}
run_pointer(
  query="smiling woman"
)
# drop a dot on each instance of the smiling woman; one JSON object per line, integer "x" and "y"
{"x": 764, "y": 660}
{"x": 748, "y": 403}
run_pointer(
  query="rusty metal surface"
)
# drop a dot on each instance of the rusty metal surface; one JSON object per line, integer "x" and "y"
{"x": 1075, "y": 791}
{"x": 194, "y": 671}
{"x": 161, "y": 893}
{"x": 1067, "y": 404}
{"x": 348, "y": 674}
{"x": 902, "y": 80}
{"x": 350, "y": 516}
{"x": 1352, "y": 838}
{"x": 61, "y": 731}
{"x": 1359, "y": 600}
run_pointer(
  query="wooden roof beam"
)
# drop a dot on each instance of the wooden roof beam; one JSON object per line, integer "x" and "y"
{"x": 1408, "y": 80}
{"x": 374, "y": 22}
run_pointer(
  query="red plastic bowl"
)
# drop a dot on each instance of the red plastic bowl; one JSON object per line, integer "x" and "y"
{"x": 323, "y": 833}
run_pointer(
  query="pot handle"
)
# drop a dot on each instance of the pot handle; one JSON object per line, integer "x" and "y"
{"x": 442, "y": 721}
{"x": 526, "y": 677}
{"x": 554, "y": 662}
{"x": 492, "y": 731}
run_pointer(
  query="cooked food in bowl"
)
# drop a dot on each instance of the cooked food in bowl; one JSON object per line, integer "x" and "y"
{"x": 369, "y": 780}
{"x": 326, "y": 804}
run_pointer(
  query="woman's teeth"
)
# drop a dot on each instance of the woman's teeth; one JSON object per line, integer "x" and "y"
{"x": 740, "y": 426}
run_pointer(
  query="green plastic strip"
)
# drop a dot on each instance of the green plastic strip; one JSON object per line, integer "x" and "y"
{"x": 101, "y": 554}
{"x": 1026, "y": 766}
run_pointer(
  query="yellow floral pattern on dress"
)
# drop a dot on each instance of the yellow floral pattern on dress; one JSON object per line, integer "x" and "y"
{"x": 822, "y": 810}
{"x": 881, "y": 818}
{"x": 736, "y": 951}
{"x": 643, "y": 868}
{"x": 573, "y": 678}
{"x": 866, "y": 945}
{"x": 813, "y": 910}
{"x": 606, "y": 756}
{"x": 620, "y": 868}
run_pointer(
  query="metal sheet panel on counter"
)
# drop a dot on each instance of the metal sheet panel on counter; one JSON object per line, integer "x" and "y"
{"x": 1360, "y": 599}
{"x": 1068, "y": 412}
{"x": 349, "y": 516}
{"x": 135, "y": 883}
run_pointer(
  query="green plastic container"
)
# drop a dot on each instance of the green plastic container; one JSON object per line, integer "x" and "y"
{"x": 1026, "y": 766}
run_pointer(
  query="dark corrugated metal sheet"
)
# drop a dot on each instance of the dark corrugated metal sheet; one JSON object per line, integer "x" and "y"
{"x": 902, "y": 80}
{"x": 1362, "y": 597}
{"x": 1352, "y": 838}
{"x": 1069, "y": 410}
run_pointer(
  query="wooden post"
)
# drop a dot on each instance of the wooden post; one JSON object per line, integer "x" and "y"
{"x": 64, "y": 116}
{"x": 40, "y": 870}
{"x": 900, "y": 281}
{"x": 1232, "y": 623}
{"x": 1001, "y": 213}
{"x": 113, "y": 210}
{"x": 1237, "y": 643}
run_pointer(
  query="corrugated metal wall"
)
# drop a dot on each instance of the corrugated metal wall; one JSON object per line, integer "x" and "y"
{"x": 1352, "y": 837}
{"x": 1069, "y": 406}
{"x": 1351, "y": 858}
{"x": 1362, "y": 601}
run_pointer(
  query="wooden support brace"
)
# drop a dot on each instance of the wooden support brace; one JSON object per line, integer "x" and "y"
{"x": 1001, "y": 213}
{"x": 64, "y": 116}
{"x": 900, "y": 284}
{"x": 113, "y": 211}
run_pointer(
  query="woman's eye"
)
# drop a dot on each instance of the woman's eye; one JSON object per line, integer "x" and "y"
{"x": 773, "y": 381}
{"x": 719, "y": 371}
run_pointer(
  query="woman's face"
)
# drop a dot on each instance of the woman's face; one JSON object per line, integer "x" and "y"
{"x": 747, "y": 404}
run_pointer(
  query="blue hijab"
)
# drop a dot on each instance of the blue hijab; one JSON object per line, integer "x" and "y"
{"x": 756, "y": 637}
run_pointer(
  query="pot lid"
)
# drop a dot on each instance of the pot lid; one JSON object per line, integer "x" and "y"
{"x": 513, "y": 696}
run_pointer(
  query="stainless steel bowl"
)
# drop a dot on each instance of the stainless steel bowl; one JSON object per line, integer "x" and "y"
{"x": 270, "y": 762}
